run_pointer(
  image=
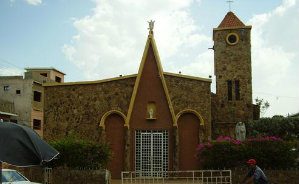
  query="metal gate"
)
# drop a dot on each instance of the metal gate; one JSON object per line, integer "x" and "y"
{"x": 151, "y": 152}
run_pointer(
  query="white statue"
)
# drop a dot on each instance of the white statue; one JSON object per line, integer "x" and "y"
{"x": 240, "y": 131}
{"x": 151, "y": 25}
{"x": 151, "y": 113}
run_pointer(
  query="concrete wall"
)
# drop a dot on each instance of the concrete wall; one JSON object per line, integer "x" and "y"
{"x": 22, "y": 102}
{"x": 36, "y": 75}
{"x": 39, "y": 115}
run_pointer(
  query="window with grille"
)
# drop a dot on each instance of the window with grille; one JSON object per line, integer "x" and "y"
{"x": 151, "y": 152}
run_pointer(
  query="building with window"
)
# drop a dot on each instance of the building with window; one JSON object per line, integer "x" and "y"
{"x": 154, "y": 120}
{"x": 23, "y": 96}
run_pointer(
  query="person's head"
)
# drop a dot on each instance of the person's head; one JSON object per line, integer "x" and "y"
{"x": 251, "y": 162}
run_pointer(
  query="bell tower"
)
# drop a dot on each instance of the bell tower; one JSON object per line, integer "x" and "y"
{"x": 232, "y": 61}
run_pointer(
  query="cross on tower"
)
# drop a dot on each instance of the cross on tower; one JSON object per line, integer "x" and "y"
{"x": 229, "y": 4}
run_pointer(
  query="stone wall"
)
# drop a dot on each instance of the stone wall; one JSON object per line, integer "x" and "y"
{"x": 232, "y": 63}
{"x": 191, "y": 94}
{"x": 79, "y": 108}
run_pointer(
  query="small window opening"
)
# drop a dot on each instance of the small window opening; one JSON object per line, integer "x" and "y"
{"x": 237, "y": 89}
{"x": 229, "y": 90}
{"x": 37, "y": 124}
{"x": 57, "y": 79}
{"x": 44, "y": 74}
{"x": 18, "y": 92}
{"x": 6, "y": 88}
{"x": 37, "y": 96}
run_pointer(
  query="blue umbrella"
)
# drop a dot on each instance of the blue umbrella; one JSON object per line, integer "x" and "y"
{"x": 21, "y": 146}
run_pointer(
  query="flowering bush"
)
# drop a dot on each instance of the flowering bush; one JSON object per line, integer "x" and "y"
{"x": 226, "y": 152}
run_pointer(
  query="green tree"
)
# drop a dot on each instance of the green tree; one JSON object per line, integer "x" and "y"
{"x": 264, "y": 105}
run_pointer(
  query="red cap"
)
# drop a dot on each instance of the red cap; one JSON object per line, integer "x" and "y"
{"x": 251, "y": 162}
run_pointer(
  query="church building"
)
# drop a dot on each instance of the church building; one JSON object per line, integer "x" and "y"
{"x": 154, "y": 120}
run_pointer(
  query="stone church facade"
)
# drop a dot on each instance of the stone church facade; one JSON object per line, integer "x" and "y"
{"x": 154, "y": 120}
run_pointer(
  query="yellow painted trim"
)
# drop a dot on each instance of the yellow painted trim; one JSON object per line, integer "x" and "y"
{"x": 103, "y": 119}
{"x": 50, "y": 84}
{"x": 188, "y": 77}
{"x": 87, "y": 82}
{"x": 150, "y": 40}
{"x": 190, "y": 111}
{"x": 132, "y": 101}
{"x": 228, "y": 35}
{"x": 156, "y": 53}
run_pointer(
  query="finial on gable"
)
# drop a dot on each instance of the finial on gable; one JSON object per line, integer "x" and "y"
{"x": 229, "y": 4}
{"x": 151, "y": 27}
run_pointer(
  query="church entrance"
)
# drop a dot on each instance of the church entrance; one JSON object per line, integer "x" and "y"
{"x": 151, "y": 152}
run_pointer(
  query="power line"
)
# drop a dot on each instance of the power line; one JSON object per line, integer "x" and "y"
{"x": 275, "y": 95}
{"x": 7, "y": 62}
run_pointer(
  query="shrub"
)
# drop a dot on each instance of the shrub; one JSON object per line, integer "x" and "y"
{"x": 286, "y": 128}
{"x": 79, "y": 153}
{"x": 225, "y": 152}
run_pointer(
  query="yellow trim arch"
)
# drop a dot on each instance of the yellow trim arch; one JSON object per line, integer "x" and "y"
{"x": 103, "y": 119}
{"x": 189, "y": 111}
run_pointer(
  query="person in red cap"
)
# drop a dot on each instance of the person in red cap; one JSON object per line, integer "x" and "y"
{"x": 255, "y": 174}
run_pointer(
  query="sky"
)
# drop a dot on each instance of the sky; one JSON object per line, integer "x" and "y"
{"x": 99, "y": 39}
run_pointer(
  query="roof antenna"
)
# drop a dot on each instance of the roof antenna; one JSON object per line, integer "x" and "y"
{"x": 229, "y": 4}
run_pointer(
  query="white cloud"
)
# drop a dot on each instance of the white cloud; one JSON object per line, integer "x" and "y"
{"x": 111, "y": 40}
{"x": 275, "y": 57}
{"x": 34, "y": 2}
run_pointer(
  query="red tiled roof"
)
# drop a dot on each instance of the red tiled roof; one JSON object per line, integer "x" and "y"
{"x": 231, "y": 20}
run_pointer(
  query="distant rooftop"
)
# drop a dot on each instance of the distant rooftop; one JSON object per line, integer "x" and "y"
{"x": 231, "y": 20}
{"x": 12, "y": 77}
{"x": 7, "y": 113}
{"x": 43, "y": 69}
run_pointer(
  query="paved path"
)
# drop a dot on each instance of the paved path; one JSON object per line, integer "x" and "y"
{"x": 115, "y": 181}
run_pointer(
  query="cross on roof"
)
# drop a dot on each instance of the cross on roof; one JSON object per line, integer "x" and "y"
{"x": 229, "y": 4}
